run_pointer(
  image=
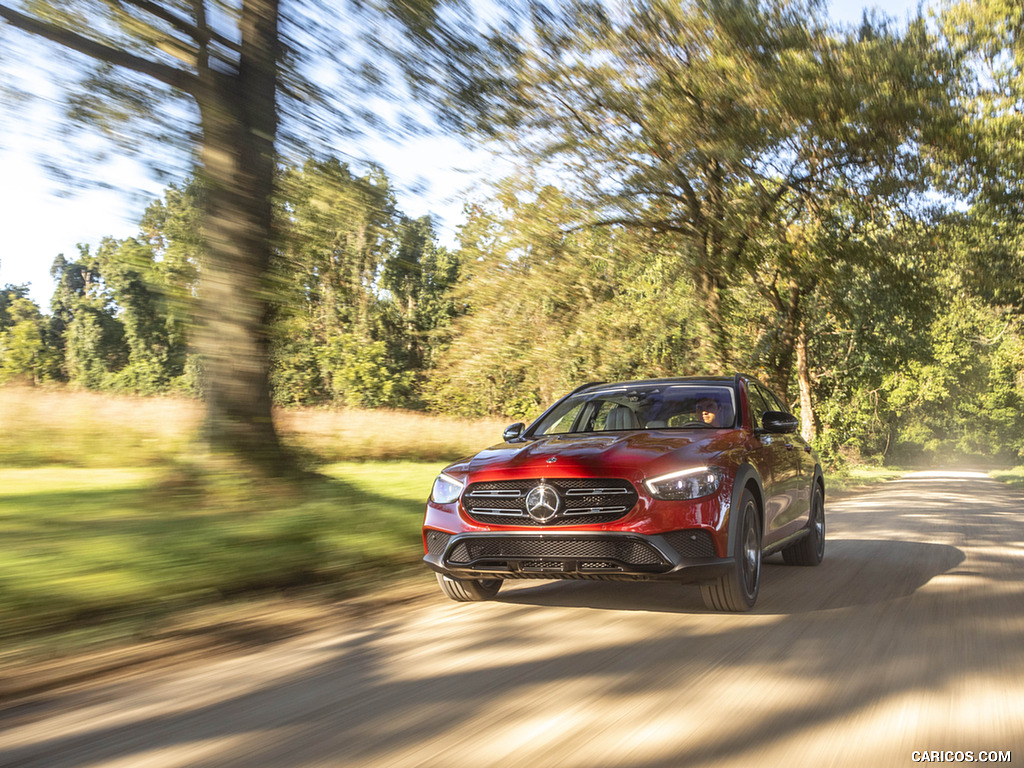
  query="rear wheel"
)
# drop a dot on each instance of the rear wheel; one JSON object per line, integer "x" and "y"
{"x": 811, "y": 548}
{"x": 468, "y": 590}
{"x": 737, "y": 590}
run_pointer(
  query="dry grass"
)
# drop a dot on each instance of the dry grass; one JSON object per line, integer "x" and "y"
{"x": 354, "y": 435}
{"x": 44, "y": 426}
{"x": 81, "y": 428}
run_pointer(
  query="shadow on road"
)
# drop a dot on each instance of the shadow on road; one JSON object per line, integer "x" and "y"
{"x": 853, "y": 573}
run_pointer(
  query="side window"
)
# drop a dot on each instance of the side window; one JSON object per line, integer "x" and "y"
{"x": 600, "y": 422}
{"x": 757, "y": 404}
{"x": 564, "y": 422}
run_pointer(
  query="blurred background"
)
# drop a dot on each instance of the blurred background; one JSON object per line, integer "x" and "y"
{"x": 223, "y": 374}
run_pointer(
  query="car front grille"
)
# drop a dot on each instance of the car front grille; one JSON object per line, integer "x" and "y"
{"x": 582, "y": 501}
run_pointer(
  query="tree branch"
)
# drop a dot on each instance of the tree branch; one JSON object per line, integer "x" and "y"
{"x": 175, "y": 78}
{"x": 197, "y": 32}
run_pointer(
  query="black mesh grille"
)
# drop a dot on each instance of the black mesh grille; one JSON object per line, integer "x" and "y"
{"x": 627, "y": 551}
{"x": 436, "y": 542}
{"x": 581, "y": 501}
{"x": 696, "y": 543}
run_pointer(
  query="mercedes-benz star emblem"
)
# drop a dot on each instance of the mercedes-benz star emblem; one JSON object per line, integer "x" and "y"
{"x": 542, "y": 503}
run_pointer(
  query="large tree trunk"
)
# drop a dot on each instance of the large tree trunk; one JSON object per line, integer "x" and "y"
{"x": 239, "y": 120}
{"x": 791, "y": 311}
{"x": 808, "y": 422}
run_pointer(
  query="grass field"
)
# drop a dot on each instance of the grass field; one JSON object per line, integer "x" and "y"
{"x": 44, "y": 427}
{"x": 101, "y": 520}
{"x": 84, "y": 545}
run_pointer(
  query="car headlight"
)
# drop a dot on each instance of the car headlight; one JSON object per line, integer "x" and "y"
{"x": 685, "y": 484}
{"x": 446, "y": 489}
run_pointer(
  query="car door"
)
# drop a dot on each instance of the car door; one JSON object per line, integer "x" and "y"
{"x": 784, "y": 469}
{"x": 797, "y": 480}
{"x": 773, "y": 465}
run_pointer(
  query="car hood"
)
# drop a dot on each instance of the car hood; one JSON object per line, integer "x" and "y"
{"x": 648, "y": 452}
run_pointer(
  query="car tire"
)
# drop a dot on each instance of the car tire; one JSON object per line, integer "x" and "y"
{"x": 737, "y": 590}
{"x": 810, "y": 550}
{"x": 468, "y": 590}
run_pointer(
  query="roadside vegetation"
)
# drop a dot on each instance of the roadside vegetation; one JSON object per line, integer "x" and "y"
{"x": 1012, "y": 476}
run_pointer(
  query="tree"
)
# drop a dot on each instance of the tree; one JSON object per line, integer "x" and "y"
{"x": 340, "y": 331}
{"x": 232, "y": 66}
{"x": 544, "y": 307}
{"x": 23, "y": 352}
{"x": 723, "y": 124}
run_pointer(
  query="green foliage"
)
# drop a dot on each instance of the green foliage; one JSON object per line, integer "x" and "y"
{"x": 24, "y": 355}
{"x": 547, "y": 307}
{"x": 119, "y": 316}
{"x": 361, "y": 290}
{"x": 704, "y": 187}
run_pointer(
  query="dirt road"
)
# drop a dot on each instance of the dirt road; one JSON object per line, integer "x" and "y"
{"x": 908, "y": 638}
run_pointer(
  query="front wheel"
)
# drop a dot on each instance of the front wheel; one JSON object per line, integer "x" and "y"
{"x": 468, "y": 590}
{"x": 737, "y": 590}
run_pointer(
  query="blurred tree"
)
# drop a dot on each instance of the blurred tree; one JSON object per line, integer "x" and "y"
{"x": 90, "y": 340}
{"x": 24, "y": 356}
{"x": 732, "y": 127}
{"x": 360, "y": 289}
{"x": 230, "y": 69}
{"x": 8, "y": 295}
{"x": 418, "y": 279}
{"x": 544, "y": 307}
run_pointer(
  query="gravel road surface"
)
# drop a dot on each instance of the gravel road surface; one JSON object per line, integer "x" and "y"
{"x": 908, "y": 638}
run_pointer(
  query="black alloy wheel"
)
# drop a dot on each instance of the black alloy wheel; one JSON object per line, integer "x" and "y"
{"x": 737, "y": 590}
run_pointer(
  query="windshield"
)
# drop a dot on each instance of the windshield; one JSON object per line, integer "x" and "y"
{"x": 677, "y": 406}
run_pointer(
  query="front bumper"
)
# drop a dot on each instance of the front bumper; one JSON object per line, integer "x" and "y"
{"x": 685, "y": 555}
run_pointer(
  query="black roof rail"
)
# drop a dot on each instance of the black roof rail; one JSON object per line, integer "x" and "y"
{"x": 588, "y": 384}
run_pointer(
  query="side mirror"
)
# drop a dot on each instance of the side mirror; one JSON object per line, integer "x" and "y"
{"x": 513, "y": 431}
{"x": 778, "y": 422}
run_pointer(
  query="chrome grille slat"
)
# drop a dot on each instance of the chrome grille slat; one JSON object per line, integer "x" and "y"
{"x": 597, "y": 492}
{"x": 595, "y": 511}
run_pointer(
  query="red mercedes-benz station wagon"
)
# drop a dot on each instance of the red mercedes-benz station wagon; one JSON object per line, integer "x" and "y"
{"x": 688, "y": 479}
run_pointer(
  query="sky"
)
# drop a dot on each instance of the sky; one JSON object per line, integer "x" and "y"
{"x": 37, "y": 222}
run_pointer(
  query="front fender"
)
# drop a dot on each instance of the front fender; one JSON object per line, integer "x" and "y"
{"x": 746, "y": 475}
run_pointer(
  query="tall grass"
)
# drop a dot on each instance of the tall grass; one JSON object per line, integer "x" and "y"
{"x": 43, "y": 426}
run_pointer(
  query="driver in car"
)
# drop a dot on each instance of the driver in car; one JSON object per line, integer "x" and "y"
{"x": 708, "y": 412}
